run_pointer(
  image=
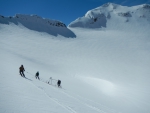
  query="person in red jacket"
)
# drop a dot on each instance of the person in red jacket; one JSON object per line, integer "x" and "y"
{"x": 22, "y": 71}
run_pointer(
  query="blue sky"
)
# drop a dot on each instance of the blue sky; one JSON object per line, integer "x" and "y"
{"x": 62, "y": 10}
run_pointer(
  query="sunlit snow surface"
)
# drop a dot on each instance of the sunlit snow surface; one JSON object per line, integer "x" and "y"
{"x": 103, "y": 70}
{"x": 104, "y": 86}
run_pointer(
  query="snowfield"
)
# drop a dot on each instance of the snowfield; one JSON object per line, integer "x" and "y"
{"x": 103, "y": 70}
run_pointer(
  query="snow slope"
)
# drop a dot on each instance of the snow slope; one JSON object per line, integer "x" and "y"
{"x": 102, "y": 70}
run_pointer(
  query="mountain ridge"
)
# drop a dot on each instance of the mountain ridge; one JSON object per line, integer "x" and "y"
{"x": 37, "y": 23}
{"x": 100, "y": 16}
{"x": 22, "y": 17}
{"x": 109, "y": 15}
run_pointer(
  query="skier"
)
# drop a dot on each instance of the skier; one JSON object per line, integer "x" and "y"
{"x": 37, "y": 75}
{"x": 58, "y": 83}
{"x": 22, "y": 71}
{"x": 50, "y": 79}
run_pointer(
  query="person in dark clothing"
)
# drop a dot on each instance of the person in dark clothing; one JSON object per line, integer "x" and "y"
{"x": 37, "y": 75}
{"x": 58, "y": 83}
{"x": 21, "y": 70}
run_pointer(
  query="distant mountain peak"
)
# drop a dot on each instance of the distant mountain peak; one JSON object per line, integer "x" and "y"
{"x": 37, "y": 23}
{"x": 146, "y": 6}
{"x": 109, "y": 4}
{"x": 33, "y": 19}
{"x": 113, "y": 13}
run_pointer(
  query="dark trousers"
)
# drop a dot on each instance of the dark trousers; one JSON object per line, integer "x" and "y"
{"x": 37, "y": 77}
{"x": 22, "y": 73}
{"x": 58, "y": 84}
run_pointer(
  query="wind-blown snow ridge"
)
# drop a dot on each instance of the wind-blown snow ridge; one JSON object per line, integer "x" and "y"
{"x": 107, "y": 13}
{"x": 37, "y": 23}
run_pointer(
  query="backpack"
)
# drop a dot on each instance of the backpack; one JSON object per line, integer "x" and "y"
{"x": 37, "y": 74}
{"x": 59, "y": 82}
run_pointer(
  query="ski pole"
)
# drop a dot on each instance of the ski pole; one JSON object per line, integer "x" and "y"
{"x": 29, "y": 73}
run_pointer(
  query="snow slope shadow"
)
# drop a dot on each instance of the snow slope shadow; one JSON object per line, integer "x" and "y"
{"x": 27, "y": 78}
{"x": 96, "y": 21}
{"x": 34, "y": 22}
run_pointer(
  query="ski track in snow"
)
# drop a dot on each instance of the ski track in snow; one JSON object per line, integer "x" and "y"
{"x": 74, "y": 98}
{"x": 98, "y": 104}
{"x": 62, "y": 104}
{"x": 90, "y": 106}
{"x": 69, "y": 109}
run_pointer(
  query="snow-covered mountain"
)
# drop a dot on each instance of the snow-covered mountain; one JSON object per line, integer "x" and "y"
{"x": 38, "y": 23}
{"x": 105, "y": 15}
{"x": 103, "y": 70}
